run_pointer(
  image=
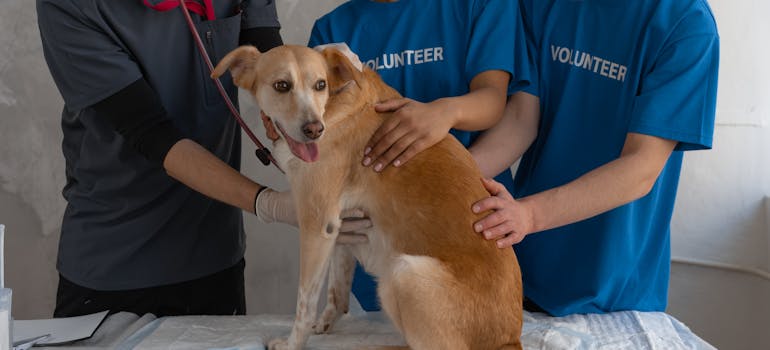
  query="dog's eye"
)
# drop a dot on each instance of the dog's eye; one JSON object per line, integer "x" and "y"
{"x": 282, "y": 86}
{"x": 320, "y": 85}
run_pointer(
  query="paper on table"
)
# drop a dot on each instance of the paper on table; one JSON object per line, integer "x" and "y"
{"x": 5, "y": 299}
{"x": 62, "y": 330}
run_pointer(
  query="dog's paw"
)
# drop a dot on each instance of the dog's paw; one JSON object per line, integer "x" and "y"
{"x": 321, "y": 327}
{"x": 278, "y": 344}
{"x": 326, "y": 321}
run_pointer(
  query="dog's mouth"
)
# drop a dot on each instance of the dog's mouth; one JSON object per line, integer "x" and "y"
{"x": 308, "y": 151}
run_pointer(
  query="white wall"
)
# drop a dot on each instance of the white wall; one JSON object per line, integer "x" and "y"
{"x": 720, "y": 215}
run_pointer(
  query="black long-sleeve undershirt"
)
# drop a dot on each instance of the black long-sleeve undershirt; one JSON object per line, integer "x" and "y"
{"x": 137, "y": 113}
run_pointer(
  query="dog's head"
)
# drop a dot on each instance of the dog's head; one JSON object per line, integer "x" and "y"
{"x": 290, "y": 86}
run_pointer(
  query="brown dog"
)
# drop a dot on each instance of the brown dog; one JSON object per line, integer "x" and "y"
{"x": 442, "y": 284}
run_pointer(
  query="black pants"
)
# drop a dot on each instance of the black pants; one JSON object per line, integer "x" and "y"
{"x": 221, "y": 293}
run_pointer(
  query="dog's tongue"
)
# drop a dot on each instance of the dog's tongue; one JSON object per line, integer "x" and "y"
{"x": 305, "y": 151}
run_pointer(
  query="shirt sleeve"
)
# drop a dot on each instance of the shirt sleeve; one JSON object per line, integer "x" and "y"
{"x": 86, "y": 62}
{"x": 497, "y": 42}
{"x": 263, "y": 38}
{"x": 318, "y": 35}
{"x": 532, "y": 49}
{"x": 677, "y": 97}
{"x": 259, "y": 13}
{"x": 145, "y": 126}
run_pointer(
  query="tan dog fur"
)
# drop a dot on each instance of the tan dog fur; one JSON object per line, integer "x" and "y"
{"x": 442, "y": 284}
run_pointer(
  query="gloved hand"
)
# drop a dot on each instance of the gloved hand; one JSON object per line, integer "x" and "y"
{"x": 343, "y": 47}
{"x": 271, "y": 206}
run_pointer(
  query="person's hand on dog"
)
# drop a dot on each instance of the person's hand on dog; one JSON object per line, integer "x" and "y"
{"x": 353, "y": 222}
{"x": 273, "y": 206}
{"x": 413, "y": 127}
{"x": 510, "y": 220}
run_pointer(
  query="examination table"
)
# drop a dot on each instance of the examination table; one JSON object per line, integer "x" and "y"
{"x": 619, "y": 330}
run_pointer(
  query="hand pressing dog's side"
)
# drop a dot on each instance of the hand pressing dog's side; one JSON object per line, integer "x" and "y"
{"x": 442, "y": 284}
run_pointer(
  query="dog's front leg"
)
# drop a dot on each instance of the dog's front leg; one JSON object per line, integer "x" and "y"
{"x": 341, "y": 270}
{"x": 318, "y": 232}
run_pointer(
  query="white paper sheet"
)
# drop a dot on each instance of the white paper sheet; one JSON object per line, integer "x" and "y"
{"x": 5, "y": 343}
{"x": 627, "y": 330}
{"x": 62, "y": 330}
{"x": 2, "y": 256}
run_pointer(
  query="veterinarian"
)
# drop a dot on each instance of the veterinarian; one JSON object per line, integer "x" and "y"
{"x": 152, "y": 155}
{"x": 446, "y": 57}
{"x": 624, "y": 90}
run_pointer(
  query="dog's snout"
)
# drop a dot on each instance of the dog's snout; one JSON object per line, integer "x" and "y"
{"x": 313, "y": 130}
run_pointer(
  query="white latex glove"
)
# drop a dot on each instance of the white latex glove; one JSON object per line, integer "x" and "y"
{"x": 273, "y": 206}
{"x": 343, "y": 47}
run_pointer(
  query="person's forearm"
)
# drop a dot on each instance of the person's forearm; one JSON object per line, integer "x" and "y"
{"x": 500, "y": 146}
{"x": 616, "y": 183}
{"x": 482, "y": 107}
{"x": 263, "y": 38}
{"x": 196, "y": 167}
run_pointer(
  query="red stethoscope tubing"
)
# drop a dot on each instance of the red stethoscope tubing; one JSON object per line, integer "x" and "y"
{"x": 262, "y": 152}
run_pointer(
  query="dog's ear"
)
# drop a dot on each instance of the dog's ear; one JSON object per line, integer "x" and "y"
{"x": 341, "y": 70}
{"x": 242, "y": 63}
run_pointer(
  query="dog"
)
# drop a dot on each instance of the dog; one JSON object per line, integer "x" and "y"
{"x": 442, "y": 284}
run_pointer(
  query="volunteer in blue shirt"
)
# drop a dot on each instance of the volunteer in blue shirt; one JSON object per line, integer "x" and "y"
{"x": 453, "y": 60}
{"x": 153, "y": 221}
{"x": 623, "y": 89}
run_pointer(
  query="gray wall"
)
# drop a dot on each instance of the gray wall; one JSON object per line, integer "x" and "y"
{"x": 722, "y": 217}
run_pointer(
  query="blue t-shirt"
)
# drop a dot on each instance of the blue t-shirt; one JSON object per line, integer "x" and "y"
{"x": 430, "y": 49}
{"x": 607, "y": 68}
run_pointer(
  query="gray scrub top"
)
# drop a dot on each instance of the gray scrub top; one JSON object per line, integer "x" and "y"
{"x": 128, "y": 224}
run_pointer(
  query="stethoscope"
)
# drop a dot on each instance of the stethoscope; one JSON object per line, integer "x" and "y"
{"x": 207, "y": 10}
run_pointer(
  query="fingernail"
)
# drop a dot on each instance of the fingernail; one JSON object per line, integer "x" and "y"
{"x": 397, "y": 163}
{"x": 500, "y": 244}
{"x": 378, "y": 167}
{"x": 367, "y": 161}
{"x": 367, "y": 150}
{"x": 476, "y": 209}
{"x": 477, "y": 227}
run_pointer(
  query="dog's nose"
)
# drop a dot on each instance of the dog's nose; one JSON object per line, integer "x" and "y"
{"x": 313, "y": 130}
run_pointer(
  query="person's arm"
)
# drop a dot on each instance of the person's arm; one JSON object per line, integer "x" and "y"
{"x": 263, "y": 38}
{"x": 415, "y": 126}
{"x": 627, "y": 178}
{"x": 136, "y": 113}
{"x": 499, "y": 147}
{"x": 191, "y": 164}
{"x": 259, "y": 24}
